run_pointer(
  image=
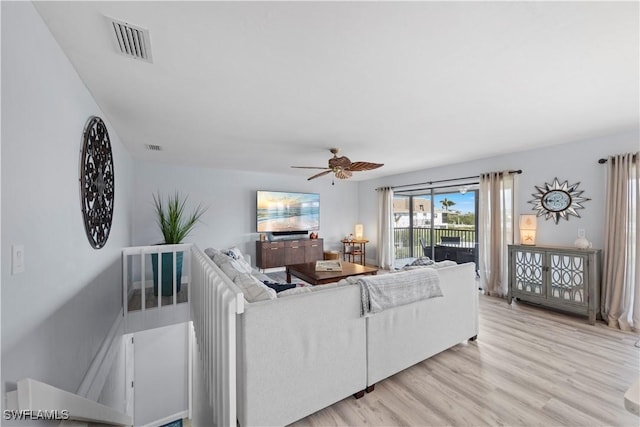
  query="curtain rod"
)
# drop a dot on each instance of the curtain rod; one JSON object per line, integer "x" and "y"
{"x": 603, "y": 160}
{"x": 519, "y": 171}
{"x": 401, "y": 192}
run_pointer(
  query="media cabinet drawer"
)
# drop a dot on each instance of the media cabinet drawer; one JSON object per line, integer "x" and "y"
{"x": 287, "y": 252}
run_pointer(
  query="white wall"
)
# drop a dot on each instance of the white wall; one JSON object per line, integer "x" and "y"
{"x": 57, "y": 313}
{"x": 574, "y": 161}
{"x": 231, "y": 198}
{"x": 113, "y": 393}
{"x": 161, "y": 368}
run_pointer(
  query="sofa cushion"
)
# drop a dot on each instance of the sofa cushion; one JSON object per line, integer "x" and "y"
{"x": 211, "y": 252}
{"x": 223, "y": 257}
{"x": 294, "y": 291}
{"x": 229, "y": 270}
{"x": 220, "y": 259}
{"x": 253, "y": 289}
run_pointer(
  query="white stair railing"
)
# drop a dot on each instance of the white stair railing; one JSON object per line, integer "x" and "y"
{"x": 215, "y": 303}
{"x": 34, "y": 400}
{"x": 136, "y": 258}
{"x": 139, "y": 276}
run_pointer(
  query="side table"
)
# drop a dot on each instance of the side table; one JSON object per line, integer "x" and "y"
{"x": 354, "y": 249}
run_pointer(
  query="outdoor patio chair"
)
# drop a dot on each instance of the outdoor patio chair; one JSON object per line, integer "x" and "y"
{"x": 426, "y": 250}
{"x": 449, "y": 239}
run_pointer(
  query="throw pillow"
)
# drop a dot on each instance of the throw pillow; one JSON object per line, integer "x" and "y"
{"x": 241, "y": 265}
{"x": 234, "y": 253}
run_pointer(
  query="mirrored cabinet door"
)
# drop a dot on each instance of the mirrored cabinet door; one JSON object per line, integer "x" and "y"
{"x": 568, "y": 277}
{"x": 528, "y": 274}
{"x": 562, "y": 278}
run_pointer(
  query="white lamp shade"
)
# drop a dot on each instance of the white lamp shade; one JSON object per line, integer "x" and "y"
{"x": 528, "y": 225}
{"x": 359, "y": 231}
{"x": 528, "y": 222}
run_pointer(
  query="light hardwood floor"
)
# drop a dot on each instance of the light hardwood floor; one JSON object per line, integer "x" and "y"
{"x": 529, "y": 367}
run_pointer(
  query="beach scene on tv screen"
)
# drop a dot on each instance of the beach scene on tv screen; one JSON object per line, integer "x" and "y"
{"x": 281, "y": 212}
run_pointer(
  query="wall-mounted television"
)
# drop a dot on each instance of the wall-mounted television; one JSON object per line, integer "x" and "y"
{"x": 281, "y": 212}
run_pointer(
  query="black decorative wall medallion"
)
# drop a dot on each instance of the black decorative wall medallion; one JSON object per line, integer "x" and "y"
{"x": 97, "y": 182}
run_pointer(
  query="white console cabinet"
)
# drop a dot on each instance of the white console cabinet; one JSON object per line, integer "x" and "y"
{"x": 562, "y": 278}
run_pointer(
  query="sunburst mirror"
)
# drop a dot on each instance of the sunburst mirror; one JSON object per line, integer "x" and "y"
{"x": 558, "y": 200}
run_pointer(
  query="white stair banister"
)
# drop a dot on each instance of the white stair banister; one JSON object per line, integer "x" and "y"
{"x": 215, "y": 304}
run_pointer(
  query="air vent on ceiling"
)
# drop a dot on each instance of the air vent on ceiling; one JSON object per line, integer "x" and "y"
{"x": 131, "y": 40}
{"x": 153, "y": 147}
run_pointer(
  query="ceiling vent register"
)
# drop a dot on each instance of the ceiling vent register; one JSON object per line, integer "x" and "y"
{"x": 131, "y": 41}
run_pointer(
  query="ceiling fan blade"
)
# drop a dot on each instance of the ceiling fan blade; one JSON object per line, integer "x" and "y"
{"x": 318, "y": 175}
{"x": 308, "y": 167}
{"x": 364, "y": 166}
{"x": 343, "y": 174}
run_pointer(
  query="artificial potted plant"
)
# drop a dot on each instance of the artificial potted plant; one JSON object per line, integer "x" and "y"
{"x": 175, "y": 225}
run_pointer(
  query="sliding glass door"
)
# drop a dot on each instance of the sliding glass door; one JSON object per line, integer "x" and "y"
{"x": 440, "y": 223}
{"x": 412, "y": 222}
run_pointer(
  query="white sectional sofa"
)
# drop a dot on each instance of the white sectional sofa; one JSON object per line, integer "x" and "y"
{"x": 305, "y": 349}
{"x": 423, "y": 328}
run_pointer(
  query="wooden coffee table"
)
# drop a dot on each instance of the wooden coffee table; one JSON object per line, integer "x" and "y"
{"x": 308, "y": 273}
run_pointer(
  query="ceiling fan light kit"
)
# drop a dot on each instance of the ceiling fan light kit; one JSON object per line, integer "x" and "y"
{"x": 341, "y": 167}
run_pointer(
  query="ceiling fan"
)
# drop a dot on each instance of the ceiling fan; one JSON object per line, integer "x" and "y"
{"x": 341, "y": 166}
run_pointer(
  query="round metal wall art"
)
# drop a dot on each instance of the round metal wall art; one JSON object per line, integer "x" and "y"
{"x": 558, "y": 200}
{"x": 97, "y": 185}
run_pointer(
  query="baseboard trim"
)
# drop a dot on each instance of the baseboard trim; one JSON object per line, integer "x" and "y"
{"x": 168, "y": 419}
{"x": 95, "y": 378}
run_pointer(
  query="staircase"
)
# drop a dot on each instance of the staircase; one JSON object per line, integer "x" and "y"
{"x": 167, "y": 358}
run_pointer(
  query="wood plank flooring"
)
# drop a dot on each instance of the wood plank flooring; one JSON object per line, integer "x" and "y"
{"x": 529, "y": 367}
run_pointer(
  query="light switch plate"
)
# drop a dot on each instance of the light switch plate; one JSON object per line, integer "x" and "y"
{"x": 581, "y": 233}
{"x": 17, "y": 259}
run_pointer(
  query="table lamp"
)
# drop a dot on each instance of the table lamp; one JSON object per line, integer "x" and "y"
{"x": 359, "y": 232}
{"x": 528, "y": 226}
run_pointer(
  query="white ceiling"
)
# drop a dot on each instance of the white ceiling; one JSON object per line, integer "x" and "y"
{"x": 262, "y": 86}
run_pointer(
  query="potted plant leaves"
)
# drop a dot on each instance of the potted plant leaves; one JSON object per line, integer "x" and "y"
{"x": 175, "y": 224}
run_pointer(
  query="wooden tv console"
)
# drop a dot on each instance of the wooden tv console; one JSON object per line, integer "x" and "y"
{"x": 286, "y": 252}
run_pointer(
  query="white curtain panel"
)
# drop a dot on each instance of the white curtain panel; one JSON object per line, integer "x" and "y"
{"x": 386, "y": 255}
{"x": 495, "y": 224}
{"x": 620, "y": 306}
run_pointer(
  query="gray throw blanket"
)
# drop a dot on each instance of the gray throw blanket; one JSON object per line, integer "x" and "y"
{"x": 391, "y": 290}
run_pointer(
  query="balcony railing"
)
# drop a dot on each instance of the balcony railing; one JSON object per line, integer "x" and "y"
{"x": 403, "y": 244}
